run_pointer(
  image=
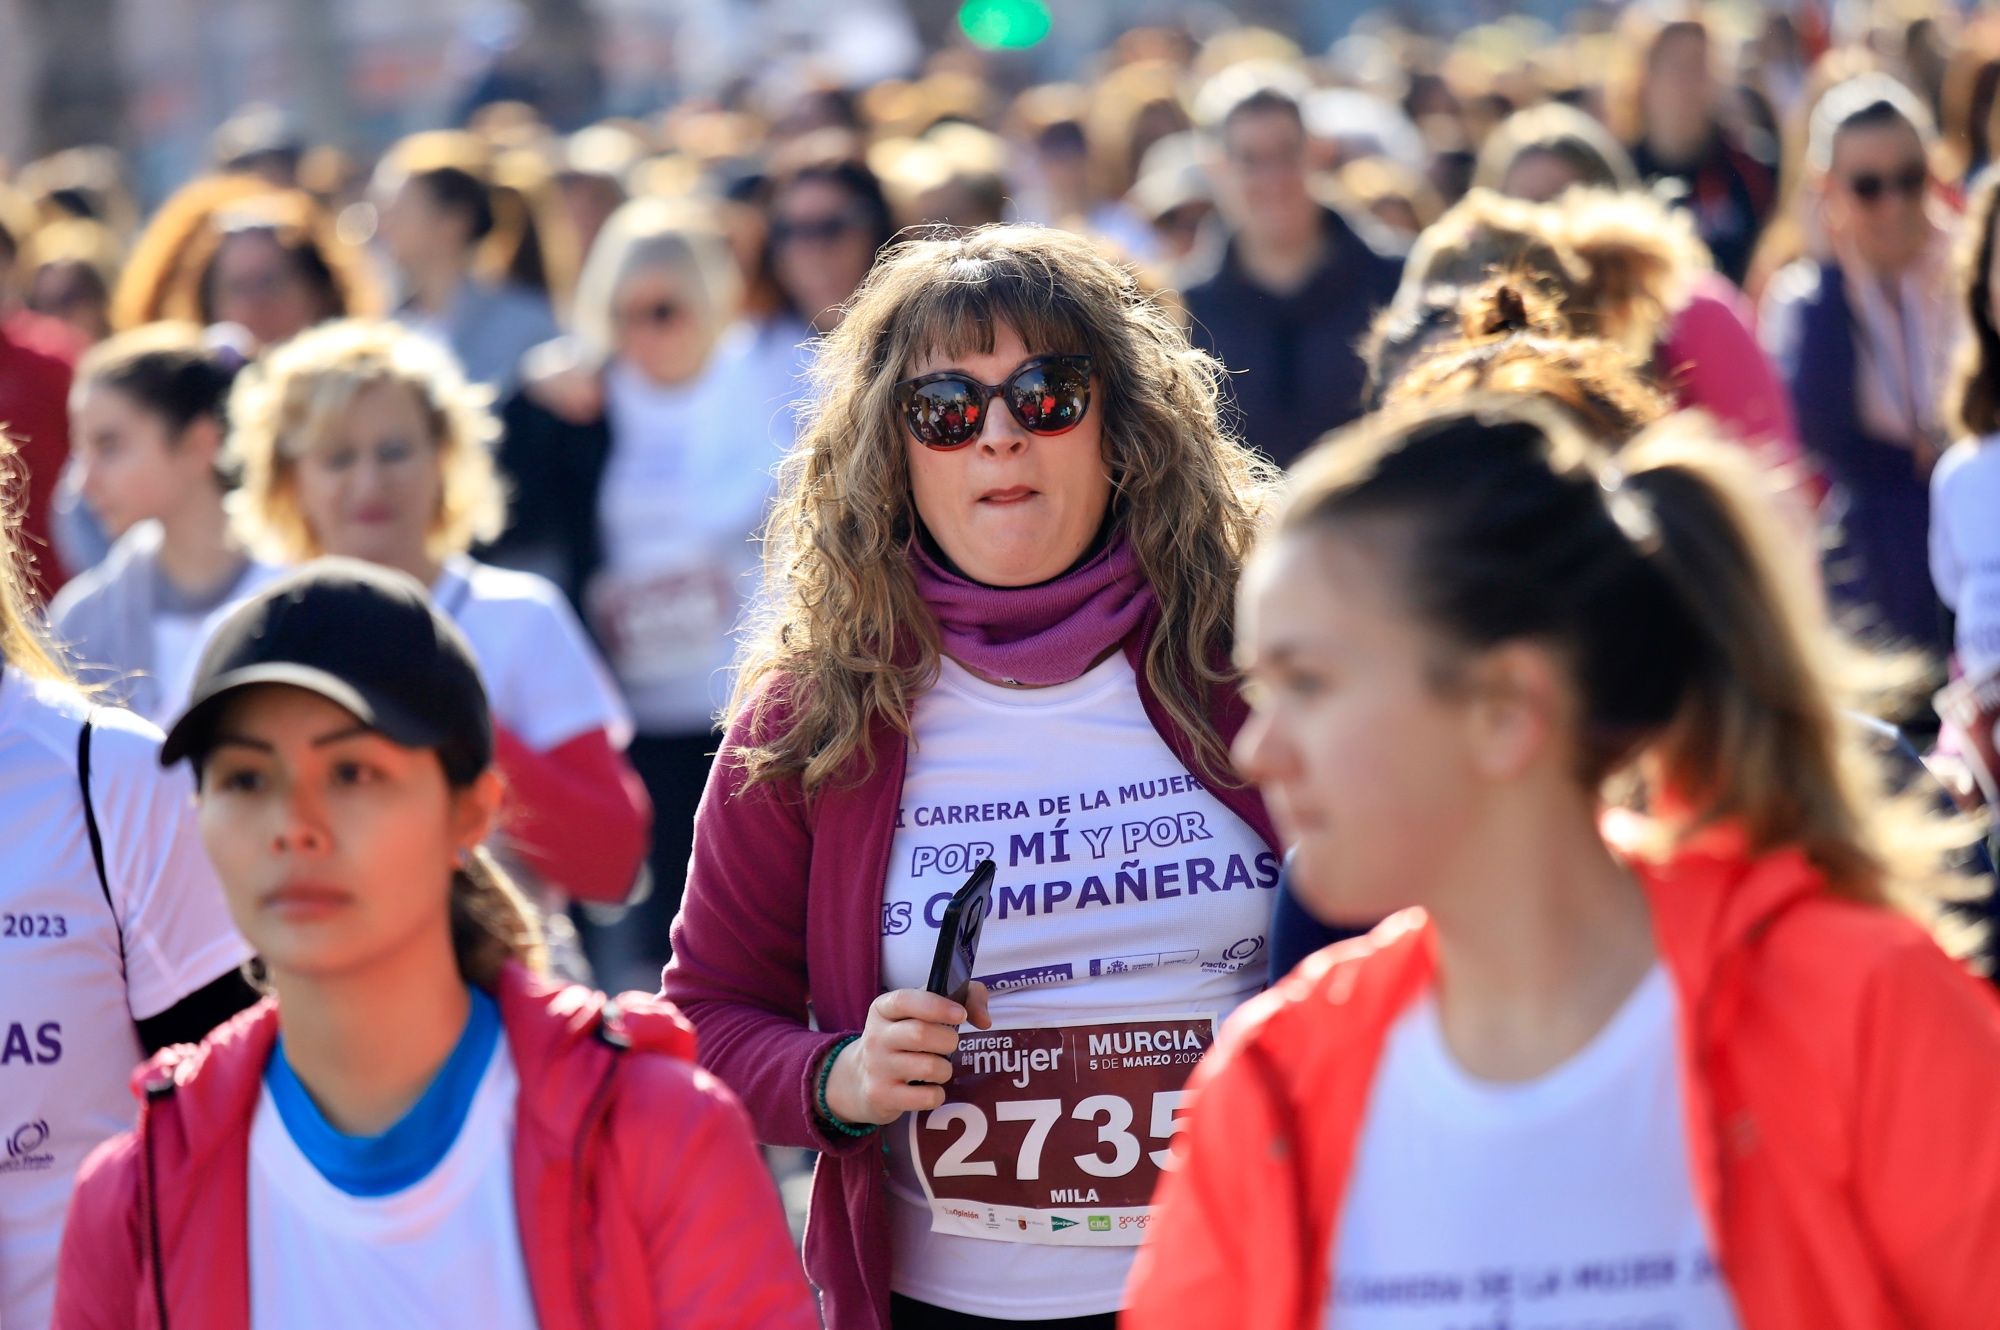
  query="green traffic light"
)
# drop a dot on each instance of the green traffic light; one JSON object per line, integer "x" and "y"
{"x": 1004, "y": 25}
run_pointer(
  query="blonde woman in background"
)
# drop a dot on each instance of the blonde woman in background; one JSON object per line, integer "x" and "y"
{"x": 363, "y": 440}
{"x": 643, "y": 513}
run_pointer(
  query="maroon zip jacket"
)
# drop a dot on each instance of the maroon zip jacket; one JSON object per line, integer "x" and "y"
{"x": 642, "y": 1201}
{"x": 783, "y": 912}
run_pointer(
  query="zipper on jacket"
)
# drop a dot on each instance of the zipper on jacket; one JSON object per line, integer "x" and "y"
{"x": 157, "y": 1089}
{"x": 579, "y": 1182}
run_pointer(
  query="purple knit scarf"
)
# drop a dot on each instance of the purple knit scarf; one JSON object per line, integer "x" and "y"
{"x": 1038, "y": 635}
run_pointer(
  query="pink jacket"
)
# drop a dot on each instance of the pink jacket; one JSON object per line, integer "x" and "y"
{"x": 642, "y": 1202}
{"x": 1711, "y": 361}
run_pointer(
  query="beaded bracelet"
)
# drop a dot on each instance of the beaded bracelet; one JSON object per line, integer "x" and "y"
{"x": 826, "y": 1113}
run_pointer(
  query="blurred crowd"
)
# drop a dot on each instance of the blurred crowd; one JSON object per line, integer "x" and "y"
{"x": 1745, "y": 210}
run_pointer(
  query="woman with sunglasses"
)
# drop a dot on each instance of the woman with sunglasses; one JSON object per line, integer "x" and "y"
{"x": 417, "y": 1127}
{"x": 1863, "y": 337}
{"x": 1701, "y": 1066}
{"x": 997, "y": 628}
{"x": 643, "y": 511}
{"x": 828, "y": 220}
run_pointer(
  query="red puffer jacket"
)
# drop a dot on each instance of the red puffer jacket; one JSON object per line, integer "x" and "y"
{"x": 642, "y": 1201}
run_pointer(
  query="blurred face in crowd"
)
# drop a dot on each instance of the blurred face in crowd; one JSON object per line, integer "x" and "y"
{"x": 256, "y": 283}
{"x": 1262, "y": 176}
{"x": 371, "y": 487}
{"x": 418, "y": 231}
{"x": 1011, "y": 508}
{"x": 1875, "y": 191}
{"x": 1539, "y": 177}
{"x": 1366, "y": 765}
{"x": 822, "y": 246}
{"x": 588, "y": 202}
{"x": 1680, "y": 93}
{"x": 71, "y": 291}
{"x": 1065, "y": 168}
{"x": 334, "y": 845}
{"x": 131, "y": 468}
{"x": 657, "y": 326}
{"x": 1177, "y": 229}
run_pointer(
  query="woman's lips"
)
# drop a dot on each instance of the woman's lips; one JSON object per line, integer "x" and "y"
{"x": 307, "y": 900}
{"x": 1014, "y": 495}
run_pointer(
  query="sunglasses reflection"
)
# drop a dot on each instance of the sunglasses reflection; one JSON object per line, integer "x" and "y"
{"x": 1048, "y": 395}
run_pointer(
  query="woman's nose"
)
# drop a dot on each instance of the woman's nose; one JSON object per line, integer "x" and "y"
{"x": 303, "y": 828}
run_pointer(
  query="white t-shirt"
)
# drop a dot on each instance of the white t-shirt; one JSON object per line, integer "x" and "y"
{"x": 177, "y": 641}
{"x": 1125, "y": 890}
{"x": 1965, "y": 548}
{"x": 178, "y": 644}
{"x": 690, "y": 474}
{"x": 67, "y": 1042}
{"x": 444, "y": 1251}
{"x": 1562, "y": 1203}
{"x": 544, "y": 680}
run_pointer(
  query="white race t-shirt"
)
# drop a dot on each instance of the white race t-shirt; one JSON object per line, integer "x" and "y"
{"x": 1563, "y": 1203}
{"x": 1965, "y": 548}
{"x": 1125, "y": 891}
{"x": 684, "y": 490}
{"x": 444, "y": 1251}
{"x": 67, "y": 1042}
{"x": 543, "y": 678}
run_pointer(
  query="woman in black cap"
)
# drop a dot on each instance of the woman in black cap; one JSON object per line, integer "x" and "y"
{"x": 416, "y": 1127}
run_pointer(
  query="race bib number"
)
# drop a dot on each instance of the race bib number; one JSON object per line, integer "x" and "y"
{"x": 657, "y": 629}
{"x": 1057, "y": 1134}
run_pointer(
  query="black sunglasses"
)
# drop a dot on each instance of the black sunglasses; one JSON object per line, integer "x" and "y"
{"x": 1909, "y": 182}
{"x": 946, "y": 410}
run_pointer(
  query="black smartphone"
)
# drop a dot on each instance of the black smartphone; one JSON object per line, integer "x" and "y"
{"x": 958, "y": 935}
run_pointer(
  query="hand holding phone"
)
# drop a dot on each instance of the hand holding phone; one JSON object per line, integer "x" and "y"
{"x": 903, "y": 1057}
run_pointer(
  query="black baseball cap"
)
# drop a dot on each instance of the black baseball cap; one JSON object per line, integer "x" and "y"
{"x": 361, "y": 636}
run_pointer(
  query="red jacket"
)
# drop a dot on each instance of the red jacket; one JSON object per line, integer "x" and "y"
{"x": 35, "y": 371}
{"x": 1841, "y": 1073}
{"x": 643, "y": 1203}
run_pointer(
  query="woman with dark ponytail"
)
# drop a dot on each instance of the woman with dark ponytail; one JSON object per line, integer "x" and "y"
{"x": 148, "y": 419}
{"x": 468, "y": 251}
{"x": 416, "y": 1127}
{"x": 1656, "y": 1030}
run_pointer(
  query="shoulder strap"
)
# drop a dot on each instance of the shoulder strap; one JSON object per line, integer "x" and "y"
{"x": 96, "y": 837}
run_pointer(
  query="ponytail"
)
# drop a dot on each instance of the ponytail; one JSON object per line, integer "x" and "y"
{"x": 492, "y": 922}
{"x": 1703, "y": 660}
{"x": 1514, "y": 339}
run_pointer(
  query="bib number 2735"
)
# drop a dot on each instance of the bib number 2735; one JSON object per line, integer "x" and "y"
{"x": 1057, "y": 1134}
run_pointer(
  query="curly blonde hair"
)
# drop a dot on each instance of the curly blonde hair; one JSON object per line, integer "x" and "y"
{"x": 284, "y": 406}
{"x": 844, "y": 637}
